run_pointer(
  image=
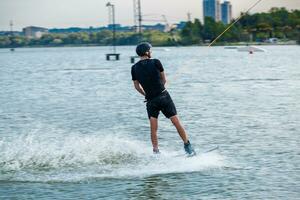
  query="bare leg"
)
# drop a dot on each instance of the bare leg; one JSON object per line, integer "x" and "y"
{"x": 180, "y": 129}
{"x": 153, "y": 127}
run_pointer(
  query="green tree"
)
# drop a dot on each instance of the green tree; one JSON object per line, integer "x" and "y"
{"x": 211, "y": 29}
{"x": 187, "y": 33}
{"x": 57, "y": 41}
{"x": 4, "y": 41}
{"x": 18, "y": 41}
{"x": 46, "y": 39}
{"x": 197, "y": 30}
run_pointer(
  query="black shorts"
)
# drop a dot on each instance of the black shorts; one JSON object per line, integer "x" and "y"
{"x": 163, "y": 103}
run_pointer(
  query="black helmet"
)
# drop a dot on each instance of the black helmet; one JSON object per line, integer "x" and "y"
{"x": 142, "y": 48}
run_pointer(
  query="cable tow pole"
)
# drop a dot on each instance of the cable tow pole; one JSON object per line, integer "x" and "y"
{"x": 242, "y": 15}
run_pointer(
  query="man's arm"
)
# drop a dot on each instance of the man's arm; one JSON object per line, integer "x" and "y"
{"x": 163, "y": 77}
{"x": 161, "y": 70}
{"x": 138, "y": 87}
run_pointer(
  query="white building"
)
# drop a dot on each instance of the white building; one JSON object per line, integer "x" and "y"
{"x": 34, "y": 32}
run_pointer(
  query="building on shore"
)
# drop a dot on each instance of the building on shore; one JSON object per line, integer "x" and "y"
{"x": 226, "y": 12}
{"x": 180, "y": 25}
{"x": 34, "y": 32}
{"x": 211, "y": 8}
{"x": 219, "y": 12}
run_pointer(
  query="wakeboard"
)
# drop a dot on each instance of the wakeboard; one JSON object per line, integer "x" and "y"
{"x": 201, "y": 153}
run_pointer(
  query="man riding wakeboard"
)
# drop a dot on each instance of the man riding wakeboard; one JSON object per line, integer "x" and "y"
{"x": 149, "y": 80}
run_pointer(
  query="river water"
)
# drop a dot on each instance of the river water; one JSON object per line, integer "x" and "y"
{"x": 73, "y": 127}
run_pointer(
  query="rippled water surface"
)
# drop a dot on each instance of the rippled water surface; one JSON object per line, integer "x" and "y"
{"x": 72, "y": 126}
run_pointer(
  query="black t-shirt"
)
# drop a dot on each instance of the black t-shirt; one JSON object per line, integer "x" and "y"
{"x": 147, "y": 73}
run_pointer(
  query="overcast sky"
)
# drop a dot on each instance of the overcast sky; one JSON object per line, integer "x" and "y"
{"x": 85, "y": 13}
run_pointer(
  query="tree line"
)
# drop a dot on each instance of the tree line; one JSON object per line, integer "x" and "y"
{"x": 102, "y": 38}
{"x": 277, "y": 23}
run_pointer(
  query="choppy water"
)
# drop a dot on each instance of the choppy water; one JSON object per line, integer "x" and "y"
{"x": 72, "y": 126}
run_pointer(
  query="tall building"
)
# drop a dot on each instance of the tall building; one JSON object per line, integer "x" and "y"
{"x": 226, "y": 10}
{"x": 34, "y": 32}
{"x": 211, "y": 8}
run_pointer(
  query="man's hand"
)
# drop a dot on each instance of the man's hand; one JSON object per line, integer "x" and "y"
{"x": 139, "y": 88}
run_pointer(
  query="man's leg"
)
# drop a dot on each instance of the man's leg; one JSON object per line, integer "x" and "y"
{"x": 187, "y": 145}
{"x": 179, "y": 127}
{"x": 153, "y": 127}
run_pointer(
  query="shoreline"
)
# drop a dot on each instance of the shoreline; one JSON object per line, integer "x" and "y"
{"x": 288, "y": 43}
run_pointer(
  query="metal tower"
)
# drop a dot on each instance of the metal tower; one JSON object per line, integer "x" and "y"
{"x": 189, "y": 17}
{"x": 112, "y": 22}
{"x": 111, "y": 18}
{"x": 137, "y": 16}
{"x": 11, "y": 24}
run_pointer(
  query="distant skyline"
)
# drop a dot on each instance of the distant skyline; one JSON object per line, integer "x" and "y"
{"x": 79, "y": 13}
